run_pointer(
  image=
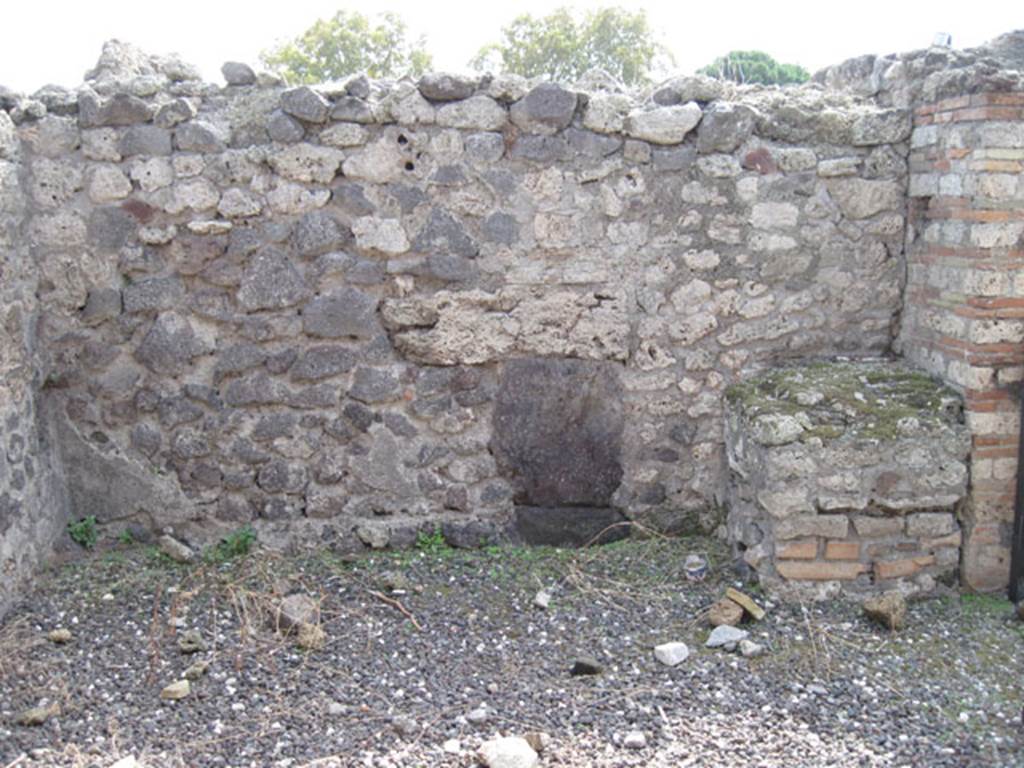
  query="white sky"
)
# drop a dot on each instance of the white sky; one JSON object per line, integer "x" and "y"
{"x": 56, "y": 41}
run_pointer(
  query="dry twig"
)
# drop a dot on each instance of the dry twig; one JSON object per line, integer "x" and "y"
{"x": 397, "y": 604}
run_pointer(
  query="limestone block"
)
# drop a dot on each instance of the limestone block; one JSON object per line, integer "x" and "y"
{"x": 475, "y": 326}
{"x": 382, "y": 235}
{"x": 828, "y": 526}
{"x": 888, "y": 126}
{"x": 606, "y": 112}
{"x": 663, "y": 125}
{"x": 106, "y": 184}
{"x": 343, "y": 135}
{"x": 861, "y": 198}
{"x": 306, "y": 162}
{"x": 477, "y": 113}
{"x": 289, "y": 198}
{"x": 238, "y": 203}
{"x": 152, "y": 174}
{"x": 379, "y": 162}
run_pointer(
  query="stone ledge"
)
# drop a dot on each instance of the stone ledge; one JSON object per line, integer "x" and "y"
{"x": 846, "y": 472}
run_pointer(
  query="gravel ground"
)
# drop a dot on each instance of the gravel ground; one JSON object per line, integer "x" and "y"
{"x": 832, "y": 689}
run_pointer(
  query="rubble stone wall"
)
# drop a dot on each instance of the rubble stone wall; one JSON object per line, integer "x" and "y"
{"x": 961, "y": 317}
{"x": 307, "y": 309}
{"x": 295, "y": 307}
{"x": 33, "y": 510}
{"x": 847, "y": 476}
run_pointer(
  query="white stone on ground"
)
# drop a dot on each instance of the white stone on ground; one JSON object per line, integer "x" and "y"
{"x": 635, "y": 740}
{"x": 671, "y": 654}
{"x": 750, "y": 649}
{"x": 725, "y": 635}
{"x": 508, "y": 752}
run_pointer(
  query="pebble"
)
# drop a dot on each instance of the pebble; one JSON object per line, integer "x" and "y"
{"x": 452, "y": 747}
{"x": 681, "y": 710}
{"x": 508, "y": 752}
{"x": 394, "y": 581}
{"x": 406, "y": 726}
{"x": 542, "y": 599}
{"x": 191, "y": 642}
{"x": 38, "y": 715}
{"x": 755, "y": 611}
{"x": 538, "y": 740}
{"x": 671, "y": 654}
{"x": 888, "y": 609}
{"x": 59, "y": 636}
{"x": 635, "y": 740}
{"x": 725, "y": 613}
{"x": 176, "y": 690}
{"x": 311, "y": 637}
{"x": 750, "y": 649}
{"x": 196, "y": 670}
{"x": 296, "y": 610}
{"x": 478, "y": 716}
{"x": 586, "y": 665}
{"x": 725, "y": 636}
{"x": 176, "y": 550}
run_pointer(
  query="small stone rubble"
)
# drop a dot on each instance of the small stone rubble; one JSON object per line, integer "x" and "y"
{"x": 487, "y": 677}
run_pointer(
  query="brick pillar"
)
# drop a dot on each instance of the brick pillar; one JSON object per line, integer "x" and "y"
{"x": 964, "y": 301}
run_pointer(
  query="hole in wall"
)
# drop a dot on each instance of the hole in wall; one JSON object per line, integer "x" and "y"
{"x": 557, "y": 439}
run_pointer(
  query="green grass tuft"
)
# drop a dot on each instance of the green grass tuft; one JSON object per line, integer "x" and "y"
{"x": 84, "y": 532}
{"x": 235, "y": 545}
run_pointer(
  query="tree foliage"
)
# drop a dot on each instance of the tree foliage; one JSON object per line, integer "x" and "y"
{"x": 754, "y": 67}
{"x": 347, "y": 43}
{"x": 562, "y": 47}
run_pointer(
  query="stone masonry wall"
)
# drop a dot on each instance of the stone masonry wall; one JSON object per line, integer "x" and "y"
{"x": 295, "y": 306}
{"x": 347, "y": 313}
{"x": 846, "y": 476}
{"x": 32, "y": 505}
{"x": 962, "y": 316}
{"x": 965, "y": 297}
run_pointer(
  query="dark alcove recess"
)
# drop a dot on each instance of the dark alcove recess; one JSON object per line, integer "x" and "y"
{"x": 558, "y": 440}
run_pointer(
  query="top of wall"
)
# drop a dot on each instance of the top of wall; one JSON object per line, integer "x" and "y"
{"x": 835, "y": 109}
{"x": 896, "y": 79}
{"x": 932, "y": 74}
